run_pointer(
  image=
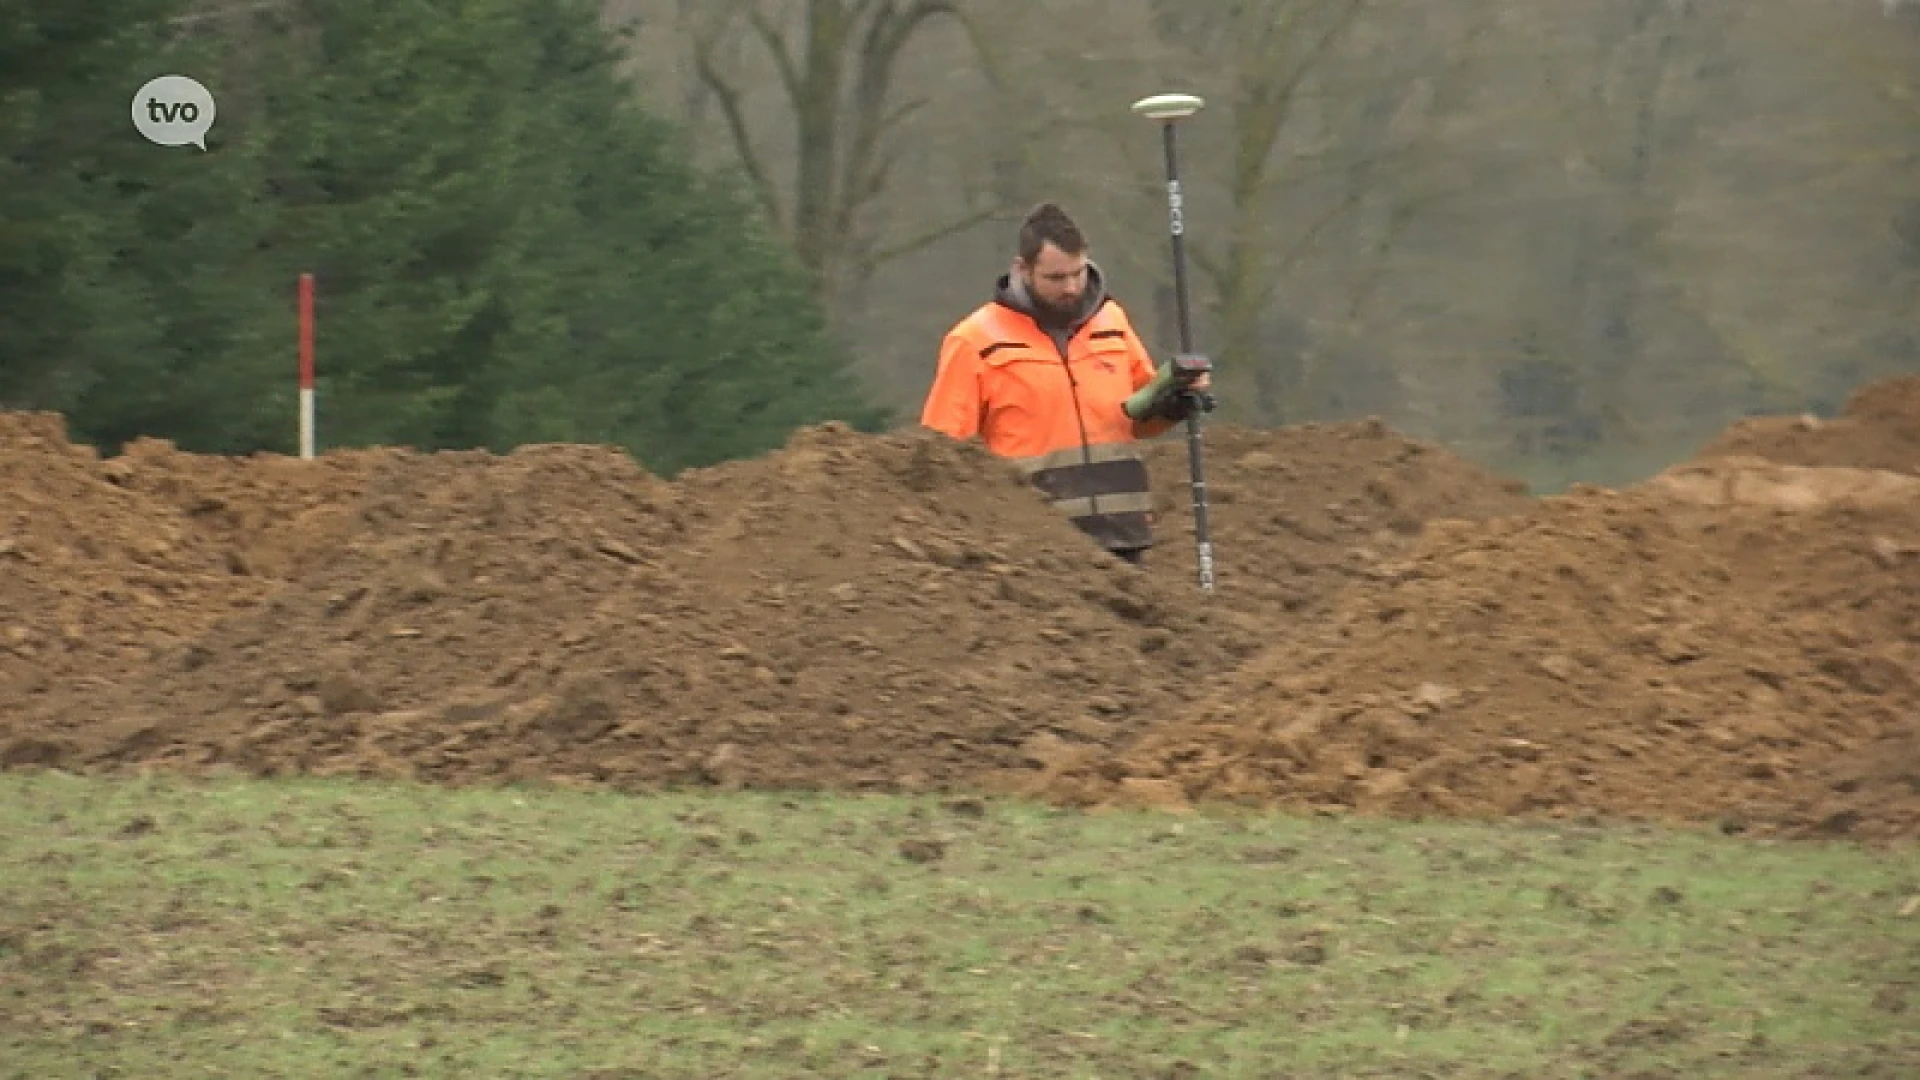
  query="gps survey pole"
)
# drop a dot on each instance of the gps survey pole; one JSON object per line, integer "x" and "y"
{"x": 1168, "y": 110}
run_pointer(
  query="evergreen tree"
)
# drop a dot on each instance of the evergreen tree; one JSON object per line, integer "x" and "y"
{"x": 507, "y": 247}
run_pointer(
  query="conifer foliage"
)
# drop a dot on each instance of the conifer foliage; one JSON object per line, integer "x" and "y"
{"x": 508, "y": 247}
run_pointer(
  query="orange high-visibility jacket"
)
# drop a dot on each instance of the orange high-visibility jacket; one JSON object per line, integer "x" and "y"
{"x": 1051, "y": 403}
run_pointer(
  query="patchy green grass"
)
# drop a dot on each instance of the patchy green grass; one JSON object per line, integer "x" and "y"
{"x": 162, "y": 928}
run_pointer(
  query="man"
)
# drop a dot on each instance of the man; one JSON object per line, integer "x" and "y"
{"x": 1050, "y": 374}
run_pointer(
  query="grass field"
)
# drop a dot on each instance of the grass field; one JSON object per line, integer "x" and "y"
{"x": 167, "y": 928}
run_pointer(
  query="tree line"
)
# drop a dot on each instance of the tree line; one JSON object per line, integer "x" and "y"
{"x": 508, "y": 245}
{"x": 1569, "y": 240}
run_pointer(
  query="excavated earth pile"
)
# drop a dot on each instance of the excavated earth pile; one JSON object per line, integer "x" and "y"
{"x": 1735, "y": 641}
{"x": 272, "y": 517}
{"x": 1878, "y": 428}
{"x": 102, "y": 563}
{"x": 1301, "y": 513}
{"x": 901, "y": 613}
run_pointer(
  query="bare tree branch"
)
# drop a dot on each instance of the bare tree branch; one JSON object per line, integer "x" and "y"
{"x": 728, "y": 97}
{"x": 897, "y": 116}
{"x": 1303, "y": 241}
{"x": 982, "y": 54}
{"x": 876, "y": 259}
{"x": 1271, "y": 99}
{"x": 776, "y": 45}
{"x": 920, "y": 12}
{"x": 874, "y": 181}
{"x": 1301, "y": 169}
{"x": 868, "y": 167}
{"x": 837, "y": 68}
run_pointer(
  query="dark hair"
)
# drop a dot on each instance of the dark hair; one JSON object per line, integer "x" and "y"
{"x": 1048, "y": 224}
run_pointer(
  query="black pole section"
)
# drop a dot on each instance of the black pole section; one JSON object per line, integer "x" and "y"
{"x": 1178, "y": 229}
{"x": 1202, "y": 532}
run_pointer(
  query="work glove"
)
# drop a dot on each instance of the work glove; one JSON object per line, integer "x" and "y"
{"x": 1170, "y": 395}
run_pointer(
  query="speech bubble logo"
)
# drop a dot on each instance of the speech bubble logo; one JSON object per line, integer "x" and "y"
{"x": 173, "y": 110}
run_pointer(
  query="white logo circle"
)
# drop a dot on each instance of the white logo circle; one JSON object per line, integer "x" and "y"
{"x": 173, "y": 110}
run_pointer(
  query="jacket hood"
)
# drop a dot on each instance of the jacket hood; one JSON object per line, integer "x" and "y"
{"x": 1011, "y": 293}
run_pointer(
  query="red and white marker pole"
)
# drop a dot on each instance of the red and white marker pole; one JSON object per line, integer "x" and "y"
{"x": 306, "y": 367}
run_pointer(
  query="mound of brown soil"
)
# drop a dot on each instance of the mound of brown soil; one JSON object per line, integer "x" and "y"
{"x": 1728, "y": 643}
{"x": 1879, "y": 428}
{"x": 1394, "y": 630}
{"x": 94, "y": 576}
{"x": 849, "y": 612}
{"x": 457, "y": 576}
{"x": 1300, "y": 513}
{"x": 273, "y": 516}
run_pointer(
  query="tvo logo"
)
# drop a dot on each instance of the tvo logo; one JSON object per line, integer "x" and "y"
{"x": 173, "y": 110}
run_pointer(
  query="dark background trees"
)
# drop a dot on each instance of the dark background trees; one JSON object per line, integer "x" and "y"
{"x": 1569, "y": 240}
{"x": 508, "y": 246}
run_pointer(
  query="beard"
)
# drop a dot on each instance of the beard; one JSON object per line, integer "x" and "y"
{"x": 1050, "y": 312}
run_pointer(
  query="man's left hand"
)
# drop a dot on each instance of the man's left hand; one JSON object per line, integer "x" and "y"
{"x": 1195, "y": 377}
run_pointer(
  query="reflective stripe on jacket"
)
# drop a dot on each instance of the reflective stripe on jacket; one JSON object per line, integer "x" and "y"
{"x": 1055, "y": 409}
